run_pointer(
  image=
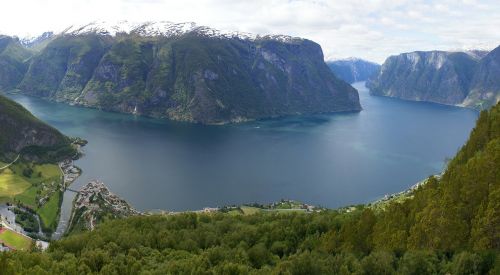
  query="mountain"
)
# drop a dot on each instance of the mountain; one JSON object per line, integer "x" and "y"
{"x": 353, "y": 69}
{"x": 37, "y": 42}
{"x": 22, "y": 133}
{"x": 13, "y": 65}
{"x": 449, "y": 225}
{"x": 186, "y": 72}
{"x": 485, "y": 84}
{"x": 453, "y": 78}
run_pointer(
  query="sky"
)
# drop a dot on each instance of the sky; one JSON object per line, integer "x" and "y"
{"x": 369, "y": 29}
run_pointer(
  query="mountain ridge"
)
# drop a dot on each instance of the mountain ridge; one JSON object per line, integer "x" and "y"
{"x": 353, "y": 69}
{"x": 451, "y": 78}
{"x": 185, "y": 72}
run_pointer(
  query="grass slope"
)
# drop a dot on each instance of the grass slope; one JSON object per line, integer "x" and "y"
{"x": 12, "y": 184}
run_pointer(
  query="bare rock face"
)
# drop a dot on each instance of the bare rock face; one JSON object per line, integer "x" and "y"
{"x": 94, "y": 203}
{"x": 485, "y": 85}
{"x": 455, "y": 78}
{"x": 187, "y": 73}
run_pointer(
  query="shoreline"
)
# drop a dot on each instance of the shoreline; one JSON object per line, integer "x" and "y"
{"x": 282, "y": 206}
{"x": 70, "y": 173}
{"x": 231, "y": 121}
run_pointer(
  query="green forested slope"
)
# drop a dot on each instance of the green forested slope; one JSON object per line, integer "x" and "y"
{"x": 22, "y": 133}
{"x": 451, "y": 225}
{"x": 13, "y": 62}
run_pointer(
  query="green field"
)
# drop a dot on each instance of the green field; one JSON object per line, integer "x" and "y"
{"x": 43, "y": 181}
{"x": 12, "y": 184}
{"x": 47, "y": 171}
{"x": 248, "y": 210}
{"x": 28, "y": 197}
{"x": 49, "y": 211}
{"x": 15, "y": 240}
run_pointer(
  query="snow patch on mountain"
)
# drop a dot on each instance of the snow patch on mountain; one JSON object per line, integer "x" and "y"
{"x": 166, "y": 29}
{"x": 34, "y": 40}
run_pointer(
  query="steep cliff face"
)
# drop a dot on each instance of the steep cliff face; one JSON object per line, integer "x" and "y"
{"x": 353, "y": 69}
{"x": 485, "y": 85}
{"x": 62, "y": 69}
{"x": 453, "y": 78}
{"x": 187, "y": 73}
{"x": 21, "y": 132}
{"x": 13, "y": 65}
{"x": 436, "y": 76}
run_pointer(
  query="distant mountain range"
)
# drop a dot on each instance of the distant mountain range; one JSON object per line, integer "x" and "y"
{"x": 178, "y": 71}
{"x": 470, "y": 79}
{"x": 353, "y": 69}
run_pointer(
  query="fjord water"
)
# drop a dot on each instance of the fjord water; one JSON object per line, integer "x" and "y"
{"x": 329, "y": 160}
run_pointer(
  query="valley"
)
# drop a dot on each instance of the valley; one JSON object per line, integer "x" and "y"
{"x": 269, "y": 137}
{"x": 158, "y": 174}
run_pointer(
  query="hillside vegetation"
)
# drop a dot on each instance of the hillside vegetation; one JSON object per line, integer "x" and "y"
{"x": 29, "y": 152}
{"x": 22, "y": 133}
{"x": 193, "y": 76}
{"x": 450, "y": 225}
{"x": 13, "y": 62}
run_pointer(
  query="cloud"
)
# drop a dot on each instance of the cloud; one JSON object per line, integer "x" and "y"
{"x": 371, "y": 29}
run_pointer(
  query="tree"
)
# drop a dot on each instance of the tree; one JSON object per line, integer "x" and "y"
{"x": 418, "y": 263}
{"x": 378, "y": 262}
{"x": 466, "y": 263}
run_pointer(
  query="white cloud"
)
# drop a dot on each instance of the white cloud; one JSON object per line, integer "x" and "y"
{"x": 371, "y": 29}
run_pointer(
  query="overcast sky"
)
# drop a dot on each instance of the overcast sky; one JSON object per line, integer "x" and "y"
{"x": 362, "y": 28}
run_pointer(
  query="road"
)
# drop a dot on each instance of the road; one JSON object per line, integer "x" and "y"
{"x": 7, "y": 166}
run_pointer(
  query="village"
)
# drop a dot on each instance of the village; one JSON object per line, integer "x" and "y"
{"x": 93, "y": 202}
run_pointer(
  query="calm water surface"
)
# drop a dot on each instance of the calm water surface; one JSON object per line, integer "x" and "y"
{"x": 330, "y": 160}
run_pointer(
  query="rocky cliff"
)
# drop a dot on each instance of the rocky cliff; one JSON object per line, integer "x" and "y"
{"x": 186, "y": 72}
{"x": 353, "y": 69}
{"x": 485, "y": 84}
{"x": 453, "y": 78}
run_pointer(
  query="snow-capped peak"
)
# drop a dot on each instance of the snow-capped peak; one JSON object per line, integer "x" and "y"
{"x": 33, "y": 40}
{"x": 163, "y": 28}
{"x": 100, "y": 27}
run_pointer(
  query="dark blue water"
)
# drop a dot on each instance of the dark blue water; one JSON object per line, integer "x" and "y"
{"x": 330, "y": 160}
